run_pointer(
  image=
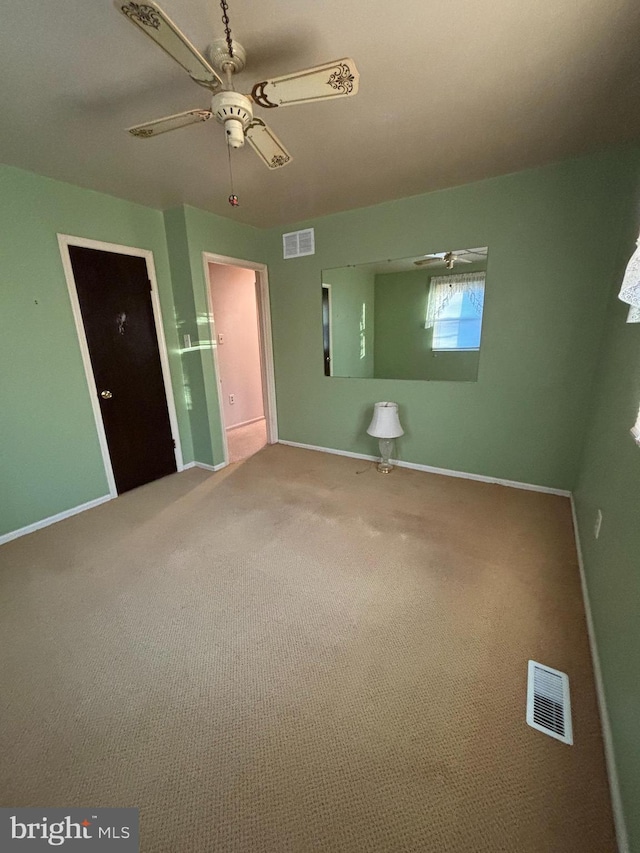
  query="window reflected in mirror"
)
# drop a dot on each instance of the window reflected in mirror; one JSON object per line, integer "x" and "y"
{"x": 409, "y": 318}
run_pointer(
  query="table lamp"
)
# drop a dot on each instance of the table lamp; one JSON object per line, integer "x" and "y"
{"x": 385, "y": 426}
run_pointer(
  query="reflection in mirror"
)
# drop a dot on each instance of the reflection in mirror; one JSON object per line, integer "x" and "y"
{"x": 411, "y": 318}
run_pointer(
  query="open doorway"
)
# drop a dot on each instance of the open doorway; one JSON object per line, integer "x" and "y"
{"x": 238, "y": 299}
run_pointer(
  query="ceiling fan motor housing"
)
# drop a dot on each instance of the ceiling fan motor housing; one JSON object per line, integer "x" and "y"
{"x": 234, "y": 111}
{"x": 220, "y": 59}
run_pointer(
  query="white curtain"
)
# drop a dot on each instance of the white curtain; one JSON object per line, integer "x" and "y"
{"x": 444, "y": 287}
{"x": 635, "y": 429}
{"x": 634, "y": 314}
{"x": 630, "y": 290}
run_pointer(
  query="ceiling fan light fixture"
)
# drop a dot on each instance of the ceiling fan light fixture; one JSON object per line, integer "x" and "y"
{"x": 235, "y": 133}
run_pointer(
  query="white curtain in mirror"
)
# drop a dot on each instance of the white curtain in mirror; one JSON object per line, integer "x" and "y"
{"x": 443, "y": 288}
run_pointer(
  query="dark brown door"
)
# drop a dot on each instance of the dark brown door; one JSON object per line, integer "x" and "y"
{"x": 326, "y": 331}
{"x": 115, "y": 301}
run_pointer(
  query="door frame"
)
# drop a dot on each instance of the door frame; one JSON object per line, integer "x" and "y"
{"x": 267, "y": 368}
{"x": 66, "y": 240}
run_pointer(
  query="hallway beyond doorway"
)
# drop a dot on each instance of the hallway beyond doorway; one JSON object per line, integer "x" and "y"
{"x": 244, "y": 441}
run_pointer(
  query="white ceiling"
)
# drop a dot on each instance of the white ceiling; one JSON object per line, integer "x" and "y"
{"x": 449, "y": 93}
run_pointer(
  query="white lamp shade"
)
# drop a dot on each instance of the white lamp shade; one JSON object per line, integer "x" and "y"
{"x": 630, "y": 290}
{"x": 385, "y": 422}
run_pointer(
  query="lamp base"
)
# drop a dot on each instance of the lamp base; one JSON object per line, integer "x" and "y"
{"x": 386, "y": 449}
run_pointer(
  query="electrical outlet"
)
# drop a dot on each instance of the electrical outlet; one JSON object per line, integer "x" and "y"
{"x": 598, "y": 524}
{"x": 220, "y": 339}
{"x": 232, "y": 399}
{"x": 187, "y": 341}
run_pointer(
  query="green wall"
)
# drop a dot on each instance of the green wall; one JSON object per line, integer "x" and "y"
{"x": 50, "y": 458}
{"x": 609, "y": 480}
{"x": 550, "y": 233}
{"x": 402, "y": 344}
{"x": 352, "y": 292}
{"x": 206, "y": 232}
{"x": 181, "y": 280}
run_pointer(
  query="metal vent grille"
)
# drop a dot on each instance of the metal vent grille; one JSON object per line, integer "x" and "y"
{"x": 548, "y": 702}
{"x": 295, "y": 244}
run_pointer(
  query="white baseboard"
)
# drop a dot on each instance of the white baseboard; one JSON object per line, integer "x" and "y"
{"x": 612, "y": 772}
{"x": 204, "y": 466}
{"x": 245, "y": 423}
{"x": 445, "y": 472}
{"x": 52, "y": 519}
{"x": 331, "y": 450}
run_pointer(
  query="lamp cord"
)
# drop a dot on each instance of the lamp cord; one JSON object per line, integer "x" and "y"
{"x": 368, "y": 468}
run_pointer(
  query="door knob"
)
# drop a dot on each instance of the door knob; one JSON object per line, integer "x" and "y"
{"x": 106, "y": 395}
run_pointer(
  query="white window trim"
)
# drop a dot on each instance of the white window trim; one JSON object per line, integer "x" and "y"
{"x": 456, "y": 349}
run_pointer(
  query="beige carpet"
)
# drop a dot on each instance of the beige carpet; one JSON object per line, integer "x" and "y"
{"x": 244, "y": 441}
{"x": 299, "y": 654}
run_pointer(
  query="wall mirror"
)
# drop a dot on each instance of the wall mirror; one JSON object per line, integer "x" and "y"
{"x": 409, "y": 318}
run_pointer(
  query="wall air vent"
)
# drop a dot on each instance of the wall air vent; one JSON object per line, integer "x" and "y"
{"x": 548, "y": 702}
{"x": 295, "y": 244}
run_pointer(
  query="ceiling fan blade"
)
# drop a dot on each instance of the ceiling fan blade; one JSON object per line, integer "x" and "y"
{"x": 162, "y": 125}
{"x": 424, "y": 262}
{"x": 150, "y": 18}
{"x": 337, "y": 79}
{"x": 267, "y": 145}
{"x": 442, "y": 258}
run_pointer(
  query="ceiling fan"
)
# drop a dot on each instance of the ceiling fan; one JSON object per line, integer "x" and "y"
{"x": 448, "y": 258}
{"x": 337, "y": 79}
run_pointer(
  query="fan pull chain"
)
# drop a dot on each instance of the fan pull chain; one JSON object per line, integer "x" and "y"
{"x": 227, "y": 28}
{"x": 233, "y": 198}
